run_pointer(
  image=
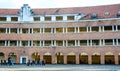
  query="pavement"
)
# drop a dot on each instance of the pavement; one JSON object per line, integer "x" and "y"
{"x": 61, "y": 68}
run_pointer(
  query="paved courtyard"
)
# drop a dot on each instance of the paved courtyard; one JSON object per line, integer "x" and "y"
{"x": 61, "y": 68}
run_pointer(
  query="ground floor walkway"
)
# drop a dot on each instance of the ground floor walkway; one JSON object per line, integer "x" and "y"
{"x": 61, "y": 68}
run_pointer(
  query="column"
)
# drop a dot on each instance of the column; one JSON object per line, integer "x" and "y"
{"x": 78, "y": 30}
{"x": 28, "y": 42}
{"x": 65, "y": 59}
{"x": 66, "y": 30}
{"x": 63, "y": 30}
{"x": 75, "y": 42}
{"x": 87, "y": 28}
{"x": 116, "y": 60}
{"x": 116, "y": 27}
{"x": 102, "y": 28}
{"x": 113, "y": 28}
{"x": 41, "y": 57}
{"x": 78, "y": 42}
{"x": 75, "y": 29}
{"x": 8, "y": 42}
{"x": 40, "y": 30}
{"x": 31, "y": 42}
{"x": 90, "y": 28}
{"x": 89, "y": 59}
{"x": 18, "y": 31}
{"x": 17, "y": 43}
{"x": 52, "y": 30}
{"x": 102, "y": 59}
{"x": 117, "y": 42}
{"x": 20, "y": 43}
{"x": 52, "y": 42}
{"x": 63, "y": 43}
{"x": 9, "y": 30}
{"x": 43, "y": 30}
{"x": 40, "y": 43}
{"x": 103, "y": 42}
{"x": 113, "y": 42}
{"x": 6, "y": 30}
{"x": 29, "y": 30}
{"x": 43, "y": 43}
{"x": 100, "y": 42}
{"x": 66, "y": 42}
{"x": 6, "y": 57}
{"x": 5, "y": 42}
{"x": 8, "y": 18}
{"x": 32, "y": 30}
{"x": 99, "y": 28}
{"x": 77, "y": 59}
{"x": 87, "y": 42}
{"x": 54, "y": 61}
{"x": 90, "y": 42}
{"x": 21, "y": 30}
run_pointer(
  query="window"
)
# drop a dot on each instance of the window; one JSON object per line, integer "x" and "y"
{"x": 83, "y": 42}
{"x": 71, "y": 29}
{"x": 2, "y": 43}
{"x": 47, "y": 43}
{"x": 83, "y": 29}
{"x": 107, "y": 28}
{"x": 13, "y": 30}
{"x": 108, "y": 42}
{"x": 59, "y": 18}
{"x": 70, "y": 17}
{"x": 118, "y": 14}
{"x": 95, "y": 29}
{"x": 94, "y": 16}
{"x": 36, "y": 18}
{"x": 59, "y": 30}
{"x": 2, "y": 30}
{"x": 47, "y": 18}
{"x": 47, "y": 30}
{"x": 2, "y": 18}
{"x": 25, "y": 30}
{"x": 95, "y": 42}
{"x": 59, "y": 43}
{"x": 36, "y": 43}
{"x": 24, "y": 43}
{"x": 13, "y": 43}
{"x": 14, "y": 18}
{"x": 36, "y": 30}
{"x": 71, "y": 42}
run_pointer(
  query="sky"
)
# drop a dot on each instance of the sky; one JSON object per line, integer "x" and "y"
{"x": 55, "y": 3}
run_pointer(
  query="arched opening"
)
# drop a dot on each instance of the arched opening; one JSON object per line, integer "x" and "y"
{"x": 83, "y": 58}
{"x": 96, "y": 58}
{"x": 119, "y": 58}
{"x": 47, "y": 58}
{"x": 109, "y": 58}
{"x": 60, "y": 58}
{"x": 36, "y": 57}
{"x": 71, "y": 58}
{"x": 13, "y": 57}
{"x": 1, "y": 57}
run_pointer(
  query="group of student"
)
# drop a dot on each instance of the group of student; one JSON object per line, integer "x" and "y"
{"x": 38, "y": 62}
{"x": 7, "y": 62}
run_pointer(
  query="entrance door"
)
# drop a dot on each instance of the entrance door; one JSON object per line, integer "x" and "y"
{"x": 23, "y": 59}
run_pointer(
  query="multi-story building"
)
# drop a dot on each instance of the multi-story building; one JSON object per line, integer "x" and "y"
{"x": 80, "y": 35}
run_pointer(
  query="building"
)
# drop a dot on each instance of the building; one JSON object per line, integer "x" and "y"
{"x": 80, "y": 35}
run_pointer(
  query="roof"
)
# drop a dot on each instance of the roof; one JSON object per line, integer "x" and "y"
{"x": 99, "y": 10}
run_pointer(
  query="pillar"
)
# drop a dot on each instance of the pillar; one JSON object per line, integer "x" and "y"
{"x": 65, "y": 59}
{"x": 113, "y": 28}
{"x": 77, "y": 59}
{"x": 102, "y": 60}
{"x": 41, "y": 57}
{"x": 116, "y": 60}
{"x": 99, "y": 28}
{"x": 116, "y": 27}
{"x": 54, "y": 60}
{"x": 89, "y": 59}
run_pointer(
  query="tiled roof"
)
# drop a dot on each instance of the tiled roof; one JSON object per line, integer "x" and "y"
{"x": 99, "y": 10}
